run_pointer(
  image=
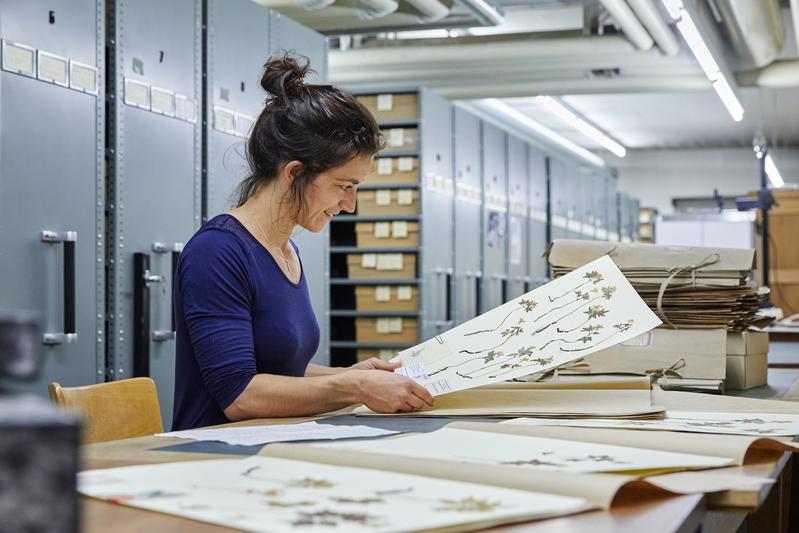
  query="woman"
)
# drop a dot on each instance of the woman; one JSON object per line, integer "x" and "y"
{"x": 245, "y": 328}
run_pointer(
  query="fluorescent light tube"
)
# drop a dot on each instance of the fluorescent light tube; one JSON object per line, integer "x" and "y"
{"x": 691, "y": 35}
{"x": 581, "y": 125}
{"x": 673, "y": 7}
{"x": 728, "y": 98}
{"x": 541, "y": 131}
{"x": 773, "y": 174}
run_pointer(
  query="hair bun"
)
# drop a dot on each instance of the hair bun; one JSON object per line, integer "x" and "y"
{"x": 283, "y": 76}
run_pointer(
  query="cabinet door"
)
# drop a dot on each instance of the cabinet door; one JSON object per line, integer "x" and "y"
{"x": 495, "y": 216}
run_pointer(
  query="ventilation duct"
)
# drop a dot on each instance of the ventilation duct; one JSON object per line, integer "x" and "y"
{"x": 754, "y": 28}
{"x": 428, "y": 10}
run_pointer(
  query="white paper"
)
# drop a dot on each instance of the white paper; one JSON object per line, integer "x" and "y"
{"x": 53, "y": 68}
{"x": 264, "y": 494}
{"x": 382, "y": 230}
{"x": 399, "y": 229}
{"x": 405, "y": 164}
{"x": 587, "y": 310}
{"x": 404, "y": 293}
{"x": 396, "y": 137}
{"x": 405, "y": 197}
{"x": 501, "y": 449}
{"x": 729, "y": 423}
{"x": 253, "y": 435}
{"x": 383, "y": 293}
{"x": 383, "y": 197}
{"x": 384, "y": 167}
{"x": 369, "y": 260}
{"x": 385, "y": 102}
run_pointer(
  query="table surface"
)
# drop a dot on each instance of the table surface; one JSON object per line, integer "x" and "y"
{"x": 677, "y": 513}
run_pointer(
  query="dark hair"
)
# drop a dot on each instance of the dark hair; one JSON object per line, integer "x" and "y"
{"x": 321, "y": 126}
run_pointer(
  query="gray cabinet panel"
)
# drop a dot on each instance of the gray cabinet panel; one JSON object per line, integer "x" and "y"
{"x": 559, "y": 201}
{"x": 537, "y": 230}
{"x": 51, "y": 154}
{"x": 518, "y": 228}
{"x": 437, "y": 239}
{"x": 468, "y": 213}
{"x": 495, "y": 216}
{"x": 155, "y": 183}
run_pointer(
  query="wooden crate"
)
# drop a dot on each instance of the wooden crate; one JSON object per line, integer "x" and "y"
{"x": 391, "y": 234}
{"x": 783, "y": 252}
{"x": 371, "y": 298}
{"x": 382, "y": 329}
{"x": 384, "y": 353}
{"x": 386, "y": 202}
{"x": 400, "y": 140}
{"x": 380, "y": 270}
{"x": 393, "y": 170}
{"x": 402, "y": 106}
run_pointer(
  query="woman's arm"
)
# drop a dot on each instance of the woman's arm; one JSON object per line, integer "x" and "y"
{"x": 268, "y": 395}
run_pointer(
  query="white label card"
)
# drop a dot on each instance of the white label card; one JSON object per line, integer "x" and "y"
{"x": 405, "y": 197}
{"x": 389, "y": 262}
{"x": 137, "y": 94}
{"x": 399, "y": 229}
{"x": 184, "y": 108}
{"x": 385, "y": 102}
{"x": 243, "y": 124}
{"x": 404, "y": 293}
{"x": 53, "y": 69}
{"x": 83, "y": 77}
{"x": 19, "y": 58}
{"x": 162, "y": 101}
{"x": 405, "y": 164}
{"x": 383, "y": 326}
{"x": 382, "y": 230}
{"x": 395, "y": 325}
{"x": 369, "y": 260}
{"x": 384, "y": 166}
{"x": 224, "y": 120}
{"x": 383, "y": 293}
{"x": 396, "y": 137}
{"x": 383, "y": 197}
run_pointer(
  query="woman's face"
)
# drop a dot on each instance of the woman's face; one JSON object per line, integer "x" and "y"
{"x": 332, "y": 192}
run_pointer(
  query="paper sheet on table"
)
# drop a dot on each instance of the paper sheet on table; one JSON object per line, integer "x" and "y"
{"x": 270, "y": 495}
{"x": 754, "y": 424}
{"x": 252, "y": 435}
{"x": 582, "y": 312}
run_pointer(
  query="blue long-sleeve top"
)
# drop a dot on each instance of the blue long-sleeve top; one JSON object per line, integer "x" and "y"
{"x": 236, "y": 315}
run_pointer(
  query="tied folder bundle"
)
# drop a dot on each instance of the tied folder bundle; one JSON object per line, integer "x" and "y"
{"x": 589, "y": 309}
{"x": 702, "y": 296}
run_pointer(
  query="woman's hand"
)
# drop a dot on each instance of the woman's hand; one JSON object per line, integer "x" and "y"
{"x": 373, "y": 363}
{"x": 387, "y": 392}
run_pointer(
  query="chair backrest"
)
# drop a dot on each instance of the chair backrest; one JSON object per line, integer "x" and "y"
{"x": 114, "y": 410}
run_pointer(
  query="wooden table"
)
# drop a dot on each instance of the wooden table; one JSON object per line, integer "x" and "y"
{"x": 674, "y": 514}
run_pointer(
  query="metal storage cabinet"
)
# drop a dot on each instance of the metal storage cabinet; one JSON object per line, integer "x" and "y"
{"x": 601, "y": 206}
{"x": 559, "y": 201}
{"x": 234, "y": 99}
{"x": 51, "y": 153}
{"x": 538, "y": 220}
{"x": 612, "y": 209}
{"x": 574, "y": 202}
{"x": 468, "y": 214}
{"x": 495, "y": 217}
{"x": 585, "y": 214}
{"x": 437, "y": 232}
{"x": 624, "y": 218}
{"x": 518, "y": 201}
{"x": 155, "y": 142}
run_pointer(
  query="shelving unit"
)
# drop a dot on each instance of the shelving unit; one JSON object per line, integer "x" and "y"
{"x": 386, "y": 294}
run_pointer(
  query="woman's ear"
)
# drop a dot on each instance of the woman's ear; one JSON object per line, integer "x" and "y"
{"x": 290, "y": 171}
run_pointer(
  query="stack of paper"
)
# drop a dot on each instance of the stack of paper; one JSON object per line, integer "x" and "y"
{"x": 698, "y": 288}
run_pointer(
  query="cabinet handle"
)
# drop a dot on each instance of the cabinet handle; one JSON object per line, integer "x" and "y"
{"x": 70, "y": 334}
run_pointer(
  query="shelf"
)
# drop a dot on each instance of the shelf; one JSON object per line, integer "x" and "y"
{"x": 375, "y": 186}
{"x": 345, "y": 281}
{"x": 398, "y": 123}
{"x": 371, "y": 250}
{"x": 374, "y": 218}
{"x": 354, "y": 313}
{"x": 397, "y": 153}
{"x": 385, "y": 345}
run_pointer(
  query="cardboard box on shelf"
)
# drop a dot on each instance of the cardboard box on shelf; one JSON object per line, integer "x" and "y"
{"x": 400, "y": 140}
{"x": 386, "y": 329}
{"x": 386, "y": 354}
{"x": 381, "y": 266}
{"x": 388, "y": 202}
{"x": 747, "y": 360}
{"x": 393, "y": 170}
{"x": 388, "y": 234}
{"x": 386, "y": 298}
{"x": 391, "y": 106}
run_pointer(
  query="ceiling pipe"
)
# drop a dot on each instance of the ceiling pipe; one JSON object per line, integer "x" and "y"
{"x": 650, "y": 17}
{"x": 485, "y": 12}
{"x": 778, "y": 75}
{"x": 795, "y": 19}
{"x": 429, "y": 10}
{"x": 629, "y": 23}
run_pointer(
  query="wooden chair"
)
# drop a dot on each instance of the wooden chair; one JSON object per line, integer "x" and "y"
{"x": 115, "y": 410}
